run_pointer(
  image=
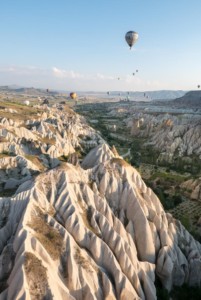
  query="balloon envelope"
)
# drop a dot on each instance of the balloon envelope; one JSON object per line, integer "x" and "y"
{"x": 73, "y": 95}
{"x": 26, "y": 102}
{"x": 131, "y": 38}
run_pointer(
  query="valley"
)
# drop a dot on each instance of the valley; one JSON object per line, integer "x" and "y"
{"x": 87, "y": 202}
{"x": 165, "y": 147}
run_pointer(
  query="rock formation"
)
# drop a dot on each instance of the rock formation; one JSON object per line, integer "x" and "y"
{"x": 87, "y": 231}
{"x": 33, "y": 145}
{"x": 171, "y": 135}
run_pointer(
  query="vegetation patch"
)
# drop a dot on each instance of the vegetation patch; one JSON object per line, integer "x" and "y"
{"x": 81, "y": 260}
{"x": 120, "y": 162}
{"x": 169, "y": 177}
{"x": 8, "y": 192}
{"x": 86, "y": 216}
{"x": 3, "y": 285}
{"x": 36, "y": 277}
{"x": 52, "y": 128}
{"x": 47, "y": 140}
{"x": 186, "y": 292}
{"x": 3, "y": 139}
{"x": 189, "y": 212}
{"x": 5, "y": 154}
{"x": 36, "y": 161}
{"x": 48, "y": 236}
{"x": 5, "y": 209}
{"x": 63, "y": 158}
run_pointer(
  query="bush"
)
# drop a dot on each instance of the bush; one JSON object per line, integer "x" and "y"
{"x": 186, "y": 293}
{"x": 48, "y": 236}
{"x": 36, "y": 277}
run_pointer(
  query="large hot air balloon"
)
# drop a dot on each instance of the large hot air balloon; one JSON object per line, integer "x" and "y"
{"x": 131, "y": 38}
{"x": 73, "y": 96}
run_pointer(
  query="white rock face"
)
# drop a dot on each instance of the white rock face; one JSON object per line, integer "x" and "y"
{"x": 92, "y": 233}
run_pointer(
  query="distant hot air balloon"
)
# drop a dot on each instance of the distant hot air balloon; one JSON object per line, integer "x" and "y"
{"x": 73, "y": 95}
{"x": 108, "y": 93}
{"x": 136, "y": 71}
{"x": 118, "y": 78}
{"x": 133, "y": 74}
{"x": 128, "y": 93}
{"x": 144, "y": 95}
{"x": 131, "y": 38}
{"x": 198, "y": 86}
{"x": 26, "y": 102}
{"x": 47, "y": 90}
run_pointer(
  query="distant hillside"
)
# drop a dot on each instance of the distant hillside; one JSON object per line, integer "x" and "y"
{"x": 192, "y": 98}
{"x": 167, "y": 94}
{"x": 140, "y": 96}
{"x": 25, "y": 90}
{"x": 113, "y": 95}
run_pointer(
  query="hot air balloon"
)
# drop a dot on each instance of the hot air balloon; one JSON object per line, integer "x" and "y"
{"x": 198, "y": 86}
{"x": 108, "y": 93}
{"x": 73, "y": 96}
{"x": 133, "y": 74}
{"x": 118, "y": 78}
{"x": 131, "y": 38}
{"x": 47, "y": 90}
{"x": 26, "y": 102}
{"x": 136, "y": 71}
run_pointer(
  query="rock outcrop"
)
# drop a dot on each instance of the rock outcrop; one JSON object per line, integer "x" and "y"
{"x": 98, "y": 233}
{"x": 171, "y": 135}
{"x": 193, "y": 188}
{"x": 41, "y": 142}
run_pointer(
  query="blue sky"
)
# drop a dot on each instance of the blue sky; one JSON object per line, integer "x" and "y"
{"x": 80, "y": 45}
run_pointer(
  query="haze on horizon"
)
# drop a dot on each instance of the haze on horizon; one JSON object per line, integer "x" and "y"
{"x": 80, "y": 45}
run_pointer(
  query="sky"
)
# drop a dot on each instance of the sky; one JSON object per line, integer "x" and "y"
{"x": 79, "y": 45}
